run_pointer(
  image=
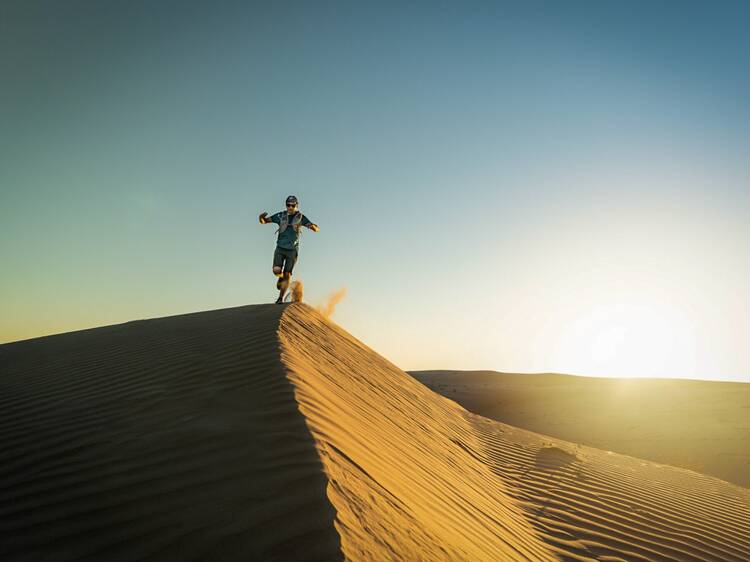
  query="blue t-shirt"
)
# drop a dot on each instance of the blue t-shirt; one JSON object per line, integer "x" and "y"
{"x": 289, "y": 239}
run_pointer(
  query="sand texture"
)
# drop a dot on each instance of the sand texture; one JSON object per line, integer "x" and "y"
{"x": 700, "y": 425}
{"x": 399, "y": 456}
{"x": 405, "y": 476}
{"x": 269, "y": 433}
{"x": 169, "y": 439}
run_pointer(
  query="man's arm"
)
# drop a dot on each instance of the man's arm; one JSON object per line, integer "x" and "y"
{"x": 311, "y": 225}
{"x": 264, "y": 219}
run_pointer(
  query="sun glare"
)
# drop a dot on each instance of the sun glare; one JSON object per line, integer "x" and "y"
{"x": 627, "y": 339}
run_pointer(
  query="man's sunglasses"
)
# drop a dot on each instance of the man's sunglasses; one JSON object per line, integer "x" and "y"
{"x": 291, "y": 204}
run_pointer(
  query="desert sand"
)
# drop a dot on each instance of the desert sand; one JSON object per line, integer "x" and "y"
{"x": 269, "y": 433}
{"x": 700, "y": 425}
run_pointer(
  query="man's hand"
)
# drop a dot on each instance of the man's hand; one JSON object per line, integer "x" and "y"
{"x": 314, "y": 227}
{"x": 262, "y": 218}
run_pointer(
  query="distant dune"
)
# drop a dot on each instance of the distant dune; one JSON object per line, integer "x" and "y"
{"x": 700, "y": 425}
{"x": 269, "y": 433}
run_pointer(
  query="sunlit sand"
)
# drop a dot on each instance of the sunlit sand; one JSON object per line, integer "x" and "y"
{"x": 700, "y": 425}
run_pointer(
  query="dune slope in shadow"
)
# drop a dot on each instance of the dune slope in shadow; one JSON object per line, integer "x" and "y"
{"x": 175, "y": 438}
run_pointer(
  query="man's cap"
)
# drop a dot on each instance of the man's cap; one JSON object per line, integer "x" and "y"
{"x": 292, "y": 199}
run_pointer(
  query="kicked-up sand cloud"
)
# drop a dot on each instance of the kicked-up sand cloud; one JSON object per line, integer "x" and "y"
{"x": 329, "y": 307}
{"x": 298, "y": 290}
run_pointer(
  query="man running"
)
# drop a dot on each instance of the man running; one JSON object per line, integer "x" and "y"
{"x": 287, "y": 243}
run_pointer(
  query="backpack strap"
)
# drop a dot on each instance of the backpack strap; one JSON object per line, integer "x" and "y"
{"x": 284, "y": 223}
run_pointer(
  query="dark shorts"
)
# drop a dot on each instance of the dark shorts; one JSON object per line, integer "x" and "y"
{"x": 285, "y": 258}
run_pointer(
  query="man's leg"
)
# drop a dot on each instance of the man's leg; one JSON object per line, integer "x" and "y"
{"x": 282, "y": 285}
{"x": 290, "y": 257}
{"x": 296, "y": 287}
{"x": 278, "y": 265}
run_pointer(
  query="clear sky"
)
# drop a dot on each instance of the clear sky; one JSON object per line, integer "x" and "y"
{"x": 519, "y": 186}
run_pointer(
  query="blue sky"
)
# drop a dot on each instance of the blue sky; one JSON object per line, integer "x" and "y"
{"x": 516, "y": 186}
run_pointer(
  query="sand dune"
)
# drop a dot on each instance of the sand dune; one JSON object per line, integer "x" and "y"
{"x": 700, "y": 425}
{"x": 269, "y": 433}
{"x": 592, "y": 504}
{"x": 393, "y": 453}
{"x": 406, "y": 481}
{"x": 169, "y": 439}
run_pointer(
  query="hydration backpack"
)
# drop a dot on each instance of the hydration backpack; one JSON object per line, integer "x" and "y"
{"x": 296, "y": 220}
